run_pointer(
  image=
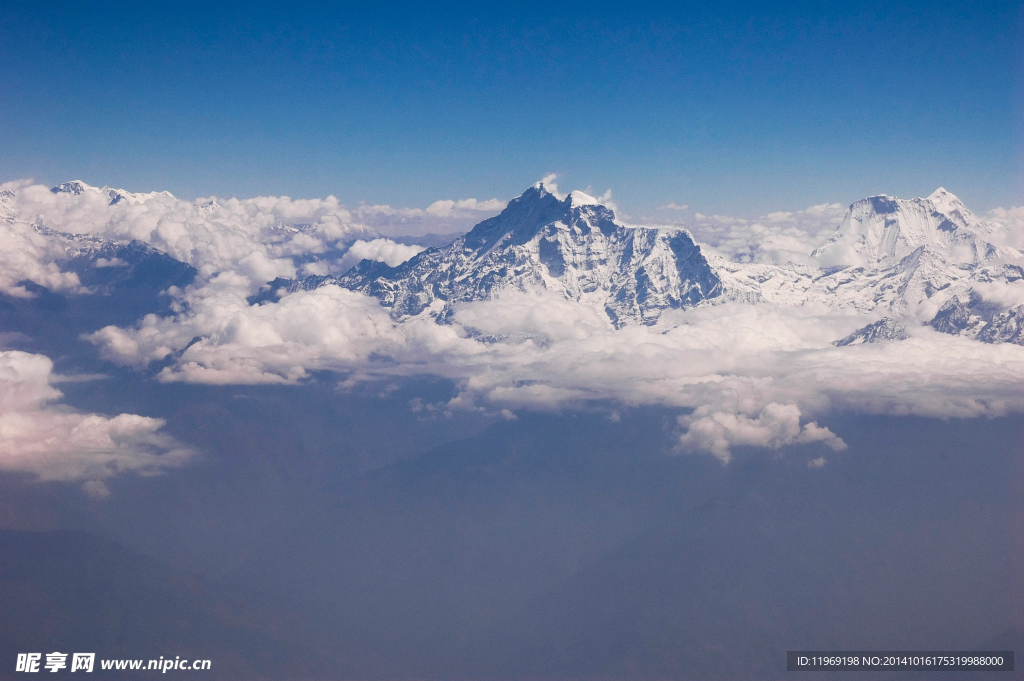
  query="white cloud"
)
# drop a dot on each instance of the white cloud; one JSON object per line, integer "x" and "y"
{"x": 1012, "y": 220}
{"x": 759, "y": 375}
{"x": 775, "y": 238}
{"x": 752, "y": 374}
{"x": 672, "y": 205}
{"x": 381, "y": 250}
{"x": 41, "y": 437}
{"x": 441, "y": 217}
{"x": 532, "y": 315}
{"x": 259, "y": 238}
{"x": 776, "y": 426}
{"x": 1001, "y": 294}
{"x": 25, "y": 253}
{"x": 448, "y": 208}
{"x": 549, "y": 184}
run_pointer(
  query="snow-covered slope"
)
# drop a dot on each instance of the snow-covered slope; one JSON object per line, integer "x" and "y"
{"x": 883, "y": 228}
{"x": 901, "y": 258}
{"x": 115, "y": 196}
{"x": 914, "y": 261}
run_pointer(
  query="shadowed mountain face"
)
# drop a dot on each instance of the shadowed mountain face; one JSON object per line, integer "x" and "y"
{"x": 124, "y": 282}
{"x": 550, "y": 546}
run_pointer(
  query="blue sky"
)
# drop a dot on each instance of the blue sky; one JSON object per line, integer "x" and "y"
{"x": 740, "y": 109}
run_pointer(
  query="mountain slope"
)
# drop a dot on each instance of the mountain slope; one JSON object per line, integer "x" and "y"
{"x": 885, "y": 228}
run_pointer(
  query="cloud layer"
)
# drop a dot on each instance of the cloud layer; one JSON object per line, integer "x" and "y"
{"x": 755, "y": 375}
{"x": 745, "y": 374}
{"x": 774, "y": 239}
{"x": 259, "y": 238}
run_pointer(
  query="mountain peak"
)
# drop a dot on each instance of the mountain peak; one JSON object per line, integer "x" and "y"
{"x": 537, "y": 188}
{"x": 881, "y": 227}
{"x": 74, "y": 187}
{"x": 945, "y": 202}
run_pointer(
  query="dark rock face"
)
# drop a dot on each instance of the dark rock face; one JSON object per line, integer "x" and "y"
{"x": 953, "y": 318}
{"x": 1007, "y": 327}
{"x": 882, "y": 330}
{"x": 958, "y": 319}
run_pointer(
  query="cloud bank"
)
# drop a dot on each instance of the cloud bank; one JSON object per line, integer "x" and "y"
{"x": 260, "y": 238}
{"x": 754, "y": 375}
{"x": 744, "y": 374}
{"x": 774, "y": 239}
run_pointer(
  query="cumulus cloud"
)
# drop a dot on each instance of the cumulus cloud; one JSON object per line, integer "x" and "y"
{"x": 744, "y": 374}
{"x": 448, "y": 208}
{"x": 329, "y": 327}
{"x": 382, "y": 250}
{"x": 776, "y": 426}
{"x": 41, "y": 437}
{"x": 549, "y": 183}
{"x": 1012, "y": 222}
{"x": 259, "y": 238}
{"x": 446, "y": 216}
{"x": 25, "y": 254}
{"x": 1001, "y": 295}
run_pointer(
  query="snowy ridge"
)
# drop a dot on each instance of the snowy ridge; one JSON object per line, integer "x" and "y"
{"x": 116, "y": 196}
{"x": 911, "y": 261}
{"x": 884, "y": 329}
{"x": 903, "y": 258}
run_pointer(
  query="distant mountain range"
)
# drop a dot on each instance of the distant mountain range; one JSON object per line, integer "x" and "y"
{"x": 887, "y": 257}
{"x": 890, "y": 259}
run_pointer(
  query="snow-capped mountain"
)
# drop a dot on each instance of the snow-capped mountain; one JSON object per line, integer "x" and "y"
{"x": 891, "y": 259}
{"x": 975, "y": 319}
{"x": 883, "y": 228}
{"x": 572, "y": 246}
{"x": 895, "y": 257}
{"x": 115, "y": 196}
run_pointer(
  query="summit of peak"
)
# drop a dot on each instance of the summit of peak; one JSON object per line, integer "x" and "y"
{"x": 538, "y": 188}
{"x": 942, "y": 196}
{"x": 546, "y": 185}
{"x": 72, "y": 187}
{"x": 578, "y": 198}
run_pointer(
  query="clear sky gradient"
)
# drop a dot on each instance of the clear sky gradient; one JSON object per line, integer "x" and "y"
{"x": 740, "y": 109}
